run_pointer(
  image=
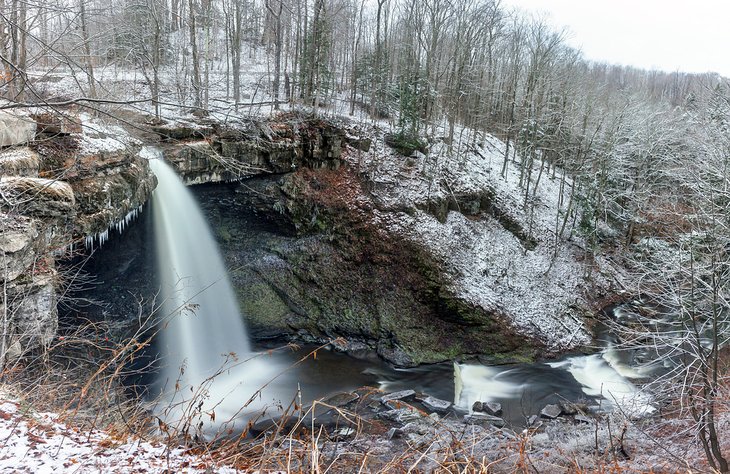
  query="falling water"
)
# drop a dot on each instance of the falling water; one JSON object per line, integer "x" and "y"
{"x": 211, "y": 378}
{"x": 208, "y": 371}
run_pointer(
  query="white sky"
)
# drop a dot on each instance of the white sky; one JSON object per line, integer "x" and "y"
{"x": 670, "y": 35}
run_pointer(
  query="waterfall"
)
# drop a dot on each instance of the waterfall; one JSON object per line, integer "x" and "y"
{"x": 208, "y": 373}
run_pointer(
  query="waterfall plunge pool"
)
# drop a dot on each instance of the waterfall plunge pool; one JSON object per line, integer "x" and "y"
{"x": 153, "y": 259}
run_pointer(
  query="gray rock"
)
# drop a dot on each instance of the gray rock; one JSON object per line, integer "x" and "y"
{"x": 436, "y": 404}
{"x": 16, "y": 128}
{"x": 51, "y": 198}
{"x": 583, "y": 419}
{"x": 402, "y": 395}
{"x": 16, "y": 246}
{"x": 394, "y": 433}
{"x": 490, "y": 408}
{"x": 341, "y": 399}
{"x": 418, "y": 155}
{"x": 34, "y": 317}
{"x": 358, "y": 142}
{"x": 401, "y": 415}
{"x": 375, "y": 406}
{"x": 551, "y": 412}
{"x": 483, "y": 419}
{"x": 398, "y": 404}
{"x": 344, "y": 433}
{"x": 418, "y": 427}
{"x": 568, "y": 408}
{"x": 533, "y": 420}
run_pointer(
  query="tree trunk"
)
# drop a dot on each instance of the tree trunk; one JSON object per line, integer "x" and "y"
{"x": 196, "y": 56}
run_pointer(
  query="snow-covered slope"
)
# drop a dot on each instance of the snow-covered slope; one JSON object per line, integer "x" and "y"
{"x": 499, "y": 254}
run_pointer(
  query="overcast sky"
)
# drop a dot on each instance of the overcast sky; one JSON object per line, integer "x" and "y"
{"x": 685, "y": 35}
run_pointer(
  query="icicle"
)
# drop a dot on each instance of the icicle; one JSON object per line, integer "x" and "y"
{"x": 120, "y": 225}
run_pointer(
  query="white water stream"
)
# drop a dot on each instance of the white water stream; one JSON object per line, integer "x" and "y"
{"x": 209, "y": 374}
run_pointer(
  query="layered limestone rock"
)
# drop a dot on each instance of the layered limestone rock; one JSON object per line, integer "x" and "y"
{"x": 231, "y": 152}
{"x": 17, "y": 252}
{"x": 72, "y": 185}
{"x": 20, "y": 161}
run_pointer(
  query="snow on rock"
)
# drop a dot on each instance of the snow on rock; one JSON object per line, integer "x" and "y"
{"x": 16, "y": 128}
{"x": 39, "y": 443}
{"x": 499, "y": 253}
{"x": 97, "y": 137}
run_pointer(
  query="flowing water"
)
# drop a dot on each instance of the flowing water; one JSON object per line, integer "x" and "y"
{"x": 208, "y": 371}
{"x": 210, "y": 374}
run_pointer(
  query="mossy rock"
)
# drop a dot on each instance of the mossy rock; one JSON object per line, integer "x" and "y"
{"x": 405, "y": 143}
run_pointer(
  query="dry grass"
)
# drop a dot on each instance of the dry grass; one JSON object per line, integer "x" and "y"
{"x": 81, "y": 377}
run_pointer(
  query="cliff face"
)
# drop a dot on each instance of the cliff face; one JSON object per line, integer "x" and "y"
{"x": 421, "y": 258}
{"x": 62, "y": 187}
{"x": 215, "y": 152}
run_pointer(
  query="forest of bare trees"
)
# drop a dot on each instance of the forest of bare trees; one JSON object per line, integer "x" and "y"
{"x": 427, "y": 67}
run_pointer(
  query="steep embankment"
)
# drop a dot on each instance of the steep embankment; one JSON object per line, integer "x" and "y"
{"x": 421, "y": 258}
{"x": 65, "y": 181}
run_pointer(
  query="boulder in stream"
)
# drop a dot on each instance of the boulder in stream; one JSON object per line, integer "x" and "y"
{"x": 551, "y": 411}
{"x": 478, "y": 418}
{"x": 436, "y": 404}
{"x": 401, "y": 395}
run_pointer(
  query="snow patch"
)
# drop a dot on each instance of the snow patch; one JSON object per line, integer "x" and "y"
{"x": 40, "y": 443}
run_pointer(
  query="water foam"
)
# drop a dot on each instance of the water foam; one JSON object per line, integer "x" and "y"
{"x": 210, "y": 377}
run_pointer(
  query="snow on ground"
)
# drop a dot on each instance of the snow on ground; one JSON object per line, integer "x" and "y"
{"x": 489, "y": 265}
{"x": 122, "y": 82}
{"x": 98, "y": 137}
{"x": 39, "y": 443}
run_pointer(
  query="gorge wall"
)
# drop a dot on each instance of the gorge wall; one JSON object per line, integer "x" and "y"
{"x": 420, "y": 258}
{"x": 329, "y": 234}
{"x": 65, "y": 181}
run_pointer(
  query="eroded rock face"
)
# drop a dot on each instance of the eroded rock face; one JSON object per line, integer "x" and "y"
{"x": 33, "y": 317}
{"x": 278, "y": 146}
{"x": 76, "y": 181}
{"x": 322, "y": 273}
{"x": 44, "y": 198}
{"x": 17, "y": 252}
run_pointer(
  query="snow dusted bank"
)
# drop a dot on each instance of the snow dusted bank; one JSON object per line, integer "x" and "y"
{"x": 500, "y": 251}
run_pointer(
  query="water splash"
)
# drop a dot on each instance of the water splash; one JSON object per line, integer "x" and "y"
{"x": 481, "y": 383}
{"x": 601, "y": 379}
{"x": 209, "y": 374}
